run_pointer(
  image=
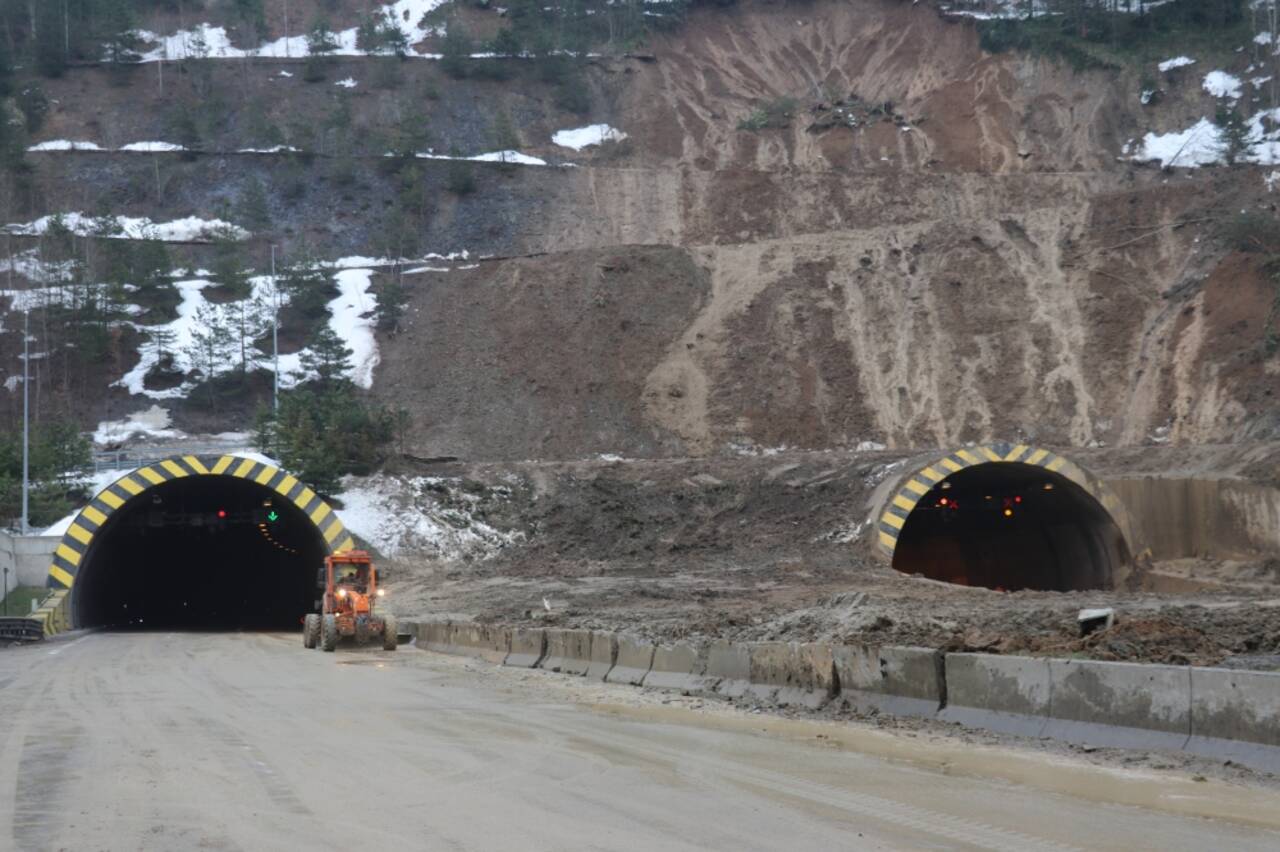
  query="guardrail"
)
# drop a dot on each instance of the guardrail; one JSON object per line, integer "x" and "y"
{"x": 133, "y": 459}
{"x": 22, "y": 629}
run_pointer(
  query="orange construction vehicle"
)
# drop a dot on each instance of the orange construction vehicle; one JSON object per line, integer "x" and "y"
{"x": 350, "y": 590}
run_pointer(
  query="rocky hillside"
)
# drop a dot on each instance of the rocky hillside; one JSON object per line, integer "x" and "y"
{"x": 829, "y": 225}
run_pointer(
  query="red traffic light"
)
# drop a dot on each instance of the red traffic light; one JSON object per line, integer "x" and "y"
{"x": 222, "y": 513}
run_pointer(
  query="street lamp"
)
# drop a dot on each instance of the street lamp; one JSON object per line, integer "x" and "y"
{"x": 275, "y": 334}
{"x": 26, "y": 413}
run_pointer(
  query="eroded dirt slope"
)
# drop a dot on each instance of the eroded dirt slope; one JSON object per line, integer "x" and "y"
{"x": 974, "y": 263}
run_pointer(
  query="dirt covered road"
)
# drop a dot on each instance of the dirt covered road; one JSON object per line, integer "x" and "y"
{"x": 158, "y": 741}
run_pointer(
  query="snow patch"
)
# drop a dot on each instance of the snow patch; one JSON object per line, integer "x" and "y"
{"x": 65, "y": 145}
{"x": 1199, "y": 145}
{"x": 593, "y": 134}
{"x": 1220, "y": 84}
{"x": 149, "y": 423}
{"x": 188, "y": 230}
{"x": 1176, "y": 62}
{"x": 351, "y": 318}
{"x": 275, "y": 149}
{"x": 423, "y": 516}
{"x": 207, "y": 41}
{"x": 152, "y": 146}
{"x": 348, "y": 83}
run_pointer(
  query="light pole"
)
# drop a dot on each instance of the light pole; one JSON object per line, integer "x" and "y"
{"x": 275, "y": 336}
{"x": 26, "y": 412}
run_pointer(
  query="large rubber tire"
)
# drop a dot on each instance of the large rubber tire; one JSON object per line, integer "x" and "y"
{"x": 328, "y": 632}
{"x": 389, "y": 637}
{"x": 311, "y": 630}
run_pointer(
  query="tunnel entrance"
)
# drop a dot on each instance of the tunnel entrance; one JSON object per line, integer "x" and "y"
{"x": 214, "y": 543}
{"x": 1011, "y": 526}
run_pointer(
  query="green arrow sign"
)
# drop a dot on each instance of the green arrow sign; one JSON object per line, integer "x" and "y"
{"x": 272, "y": 516}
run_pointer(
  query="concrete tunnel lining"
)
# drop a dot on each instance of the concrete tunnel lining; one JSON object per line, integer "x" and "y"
{"x": 1071, "y": 533}
{"x": 116, "y": 536}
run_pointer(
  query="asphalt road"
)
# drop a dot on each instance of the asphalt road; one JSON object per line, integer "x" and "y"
{"x": 249, "y": 742}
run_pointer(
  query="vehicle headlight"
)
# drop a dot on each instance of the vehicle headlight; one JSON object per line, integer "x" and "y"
{"x": 342, "y": 593}
{"x": 382, "y": 593}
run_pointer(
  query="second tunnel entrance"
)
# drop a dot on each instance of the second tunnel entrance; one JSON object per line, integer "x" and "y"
{"x": 1011, "y": 526}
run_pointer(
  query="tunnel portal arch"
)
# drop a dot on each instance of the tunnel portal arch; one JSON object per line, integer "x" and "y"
{"x": 1072, "y": 533}
{"x": 85, "y": 536}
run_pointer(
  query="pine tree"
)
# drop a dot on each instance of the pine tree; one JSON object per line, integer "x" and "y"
{"x": 321, "y": 40}
{"x": 503, "y": 132}
{"x": 326, "y": 360}
{"x": 118, "y": 26}
{"x": 456, "y": 50}
{"x": 211, "y": 346}
{"x": 1235, "y": 134}
{"x": 228, "y": 265}
{"x": 254, "y": 209}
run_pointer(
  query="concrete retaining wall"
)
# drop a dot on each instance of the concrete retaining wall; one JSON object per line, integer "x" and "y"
{"x": 634, "y": 660}
{"x": 528, "y": 646}
{"x": 791, "y": 673}
{"x": 1219, "y": 713}
{"x": 901, "y": 681}
{"x": 1009, "y": 694}
{"x": 604, "y": 652}
{"x": 1119, "y": 704}
{"x": 26, "y": 558}
{"x": 681, "y": 667}
{"x": 486, "y": 641}
{"x": 568, "y": 652}
{"x": 1236, "y": 716}
{"x": 729, "y": 665}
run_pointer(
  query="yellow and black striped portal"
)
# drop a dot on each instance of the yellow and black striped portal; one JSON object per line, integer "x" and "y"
{"x": 922, "y": 481}
{"x": 75, "y": 544}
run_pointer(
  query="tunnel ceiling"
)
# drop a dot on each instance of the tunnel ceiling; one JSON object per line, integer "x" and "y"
{"x": 199, "y": 541}
{"x": 1007, "y": 517}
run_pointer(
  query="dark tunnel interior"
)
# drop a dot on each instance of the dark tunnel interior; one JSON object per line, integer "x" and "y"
{"x": 1011, "y": 526}
{"x": 202, "y": 552}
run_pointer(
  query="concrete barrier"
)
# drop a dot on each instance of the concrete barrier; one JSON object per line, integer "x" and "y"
{"x": 1235, "y": 715}
{"x": 528, "y": 646}
{"x": 900, "y": 681}
{"x": 729, "y": 663}
{"x": 568, "y": 652}
{"x": 434, "y": 636}
{"x": 1129, "y": 705}
{"x": 604, "y": 653}
{"x": 485, "y": 641}
{"x": 681, "y": 667}
{"x": 1006, "y": 694}
{"x": 635, "y": 659}
{"x": 791, "y": 673}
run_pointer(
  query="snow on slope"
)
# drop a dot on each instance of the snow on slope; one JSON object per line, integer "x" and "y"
{"x": 188, "y": 230}
{"x": 151, "y": 423}
{"x": 152, "y": 146}
{"x": 351, "y": 318}
{"x": 1204, "y": 144}
{"x": 593, "y": 134}
{"x": 422, "y": 516}
{"x": 1175, "y": 62}
{"x": 65, "y": 145}
{"x": 1220, "y": 84}
{"x": 1198, "y": 145}
{"x": 213, "y": 42}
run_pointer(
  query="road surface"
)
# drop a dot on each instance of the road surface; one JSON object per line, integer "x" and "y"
{"x": 171, "y": 741}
